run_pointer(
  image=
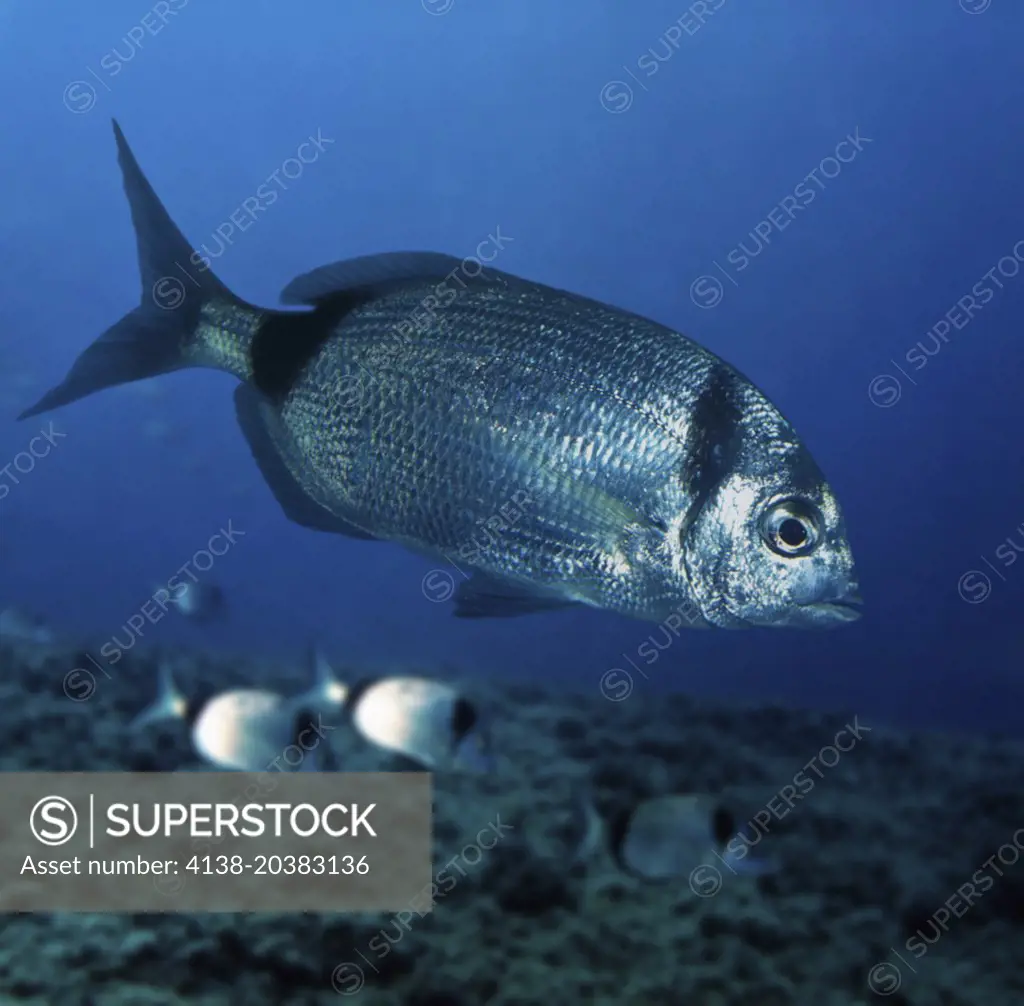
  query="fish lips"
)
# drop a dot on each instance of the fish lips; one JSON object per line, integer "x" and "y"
{"x": 835, "y": 611}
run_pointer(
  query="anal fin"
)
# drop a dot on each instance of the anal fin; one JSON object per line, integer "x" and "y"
{"x": 257, "y": 419}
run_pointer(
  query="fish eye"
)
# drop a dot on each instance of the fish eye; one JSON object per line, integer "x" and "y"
{"x": 791, "y": 528}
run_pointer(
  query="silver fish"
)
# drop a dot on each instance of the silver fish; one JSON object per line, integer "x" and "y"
{"x": 565, "y": 451}
{"x": 427, "y": 721}
{"x": 245, "y": 729}
{"x": 674, "y": 835}
{"x": 251, "y": 729}
{"x": 662, "y": 838}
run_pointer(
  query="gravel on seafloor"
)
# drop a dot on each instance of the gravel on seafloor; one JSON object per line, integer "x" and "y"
{"x": 872, "y": 850}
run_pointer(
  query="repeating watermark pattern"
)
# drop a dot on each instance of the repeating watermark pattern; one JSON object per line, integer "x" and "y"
{"x": 80, "y": 683}
{"x": 706, "y": 880}
{"x": 886, "y": 977}
{"x": 439, "y": 585}
{"x": 81, "y": 96}
{"x": 974, "y": 585}
{"x": 885, "y": 390}
{"x": 797, "y": 789}
{"x": 266, "y": 194}
{"x": 975, "y": 6}
{"x": 349, "y": 978}
{"x": 617, "y": 96}
{"x": 361, "y": 387}
{"x": 357, "y": 388}
{"x": 170, "y": 292}
{"x": 437, "y": 7}
{"x": 617, "y": 684}
{"x": 24, "y": 462}
{"x": 307, "y": 743}
{"x": 428, "y": 315}
{"x": 707, "y": 291}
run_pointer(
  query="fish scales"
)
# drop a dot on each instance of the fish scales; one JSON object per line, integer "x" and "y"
{"x": 437, "y": 430}
{"x": 557, "y": 450}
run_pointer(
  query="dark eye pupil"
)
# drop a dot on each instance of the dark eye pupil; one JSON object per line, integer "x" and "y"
{"x": 792, "y": 532}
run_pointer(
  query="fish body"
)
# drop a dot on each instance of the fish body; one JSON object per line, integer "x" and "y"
{"x": 244, "y": 730}
{"x": 672, "y": 836}
{"x": 560, "y": 450}
{"x": 427, "y": 721}
{"x": 663, "y": 838}
{"x": 251, "y": 729}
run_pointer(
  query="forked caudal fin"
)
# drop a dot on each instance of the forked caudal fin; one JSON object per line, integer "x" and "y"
{"x": 154, "y": 338}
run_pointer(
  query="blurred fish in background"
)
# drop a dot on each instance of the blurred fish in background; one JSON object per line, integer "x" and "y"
{"x": 197, "y": 600}
{"x": 252, "y": 729}
{"x": 16, "y": 623}
{"x": 427, "y": 721}
{"x": 660, "y": 838}
{"x": 673, "y": 835}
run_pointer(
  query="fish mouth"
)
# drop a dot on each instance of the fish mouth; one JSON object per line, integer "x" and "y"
{"x": 839, "y": 610}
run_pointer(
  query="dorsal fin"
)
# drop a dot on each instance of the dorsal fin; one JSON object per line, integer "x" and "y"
{"x": 286, "y": 341}
{"x": 374, "y": 273}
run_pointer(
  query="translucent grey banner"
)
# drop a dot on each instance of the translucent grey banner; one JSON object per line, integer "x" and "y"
{"x": 213, "y": 841}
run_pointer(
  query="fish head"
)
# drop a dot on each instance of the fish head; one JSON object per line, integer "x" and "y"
{"x": 765, "y": 543}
